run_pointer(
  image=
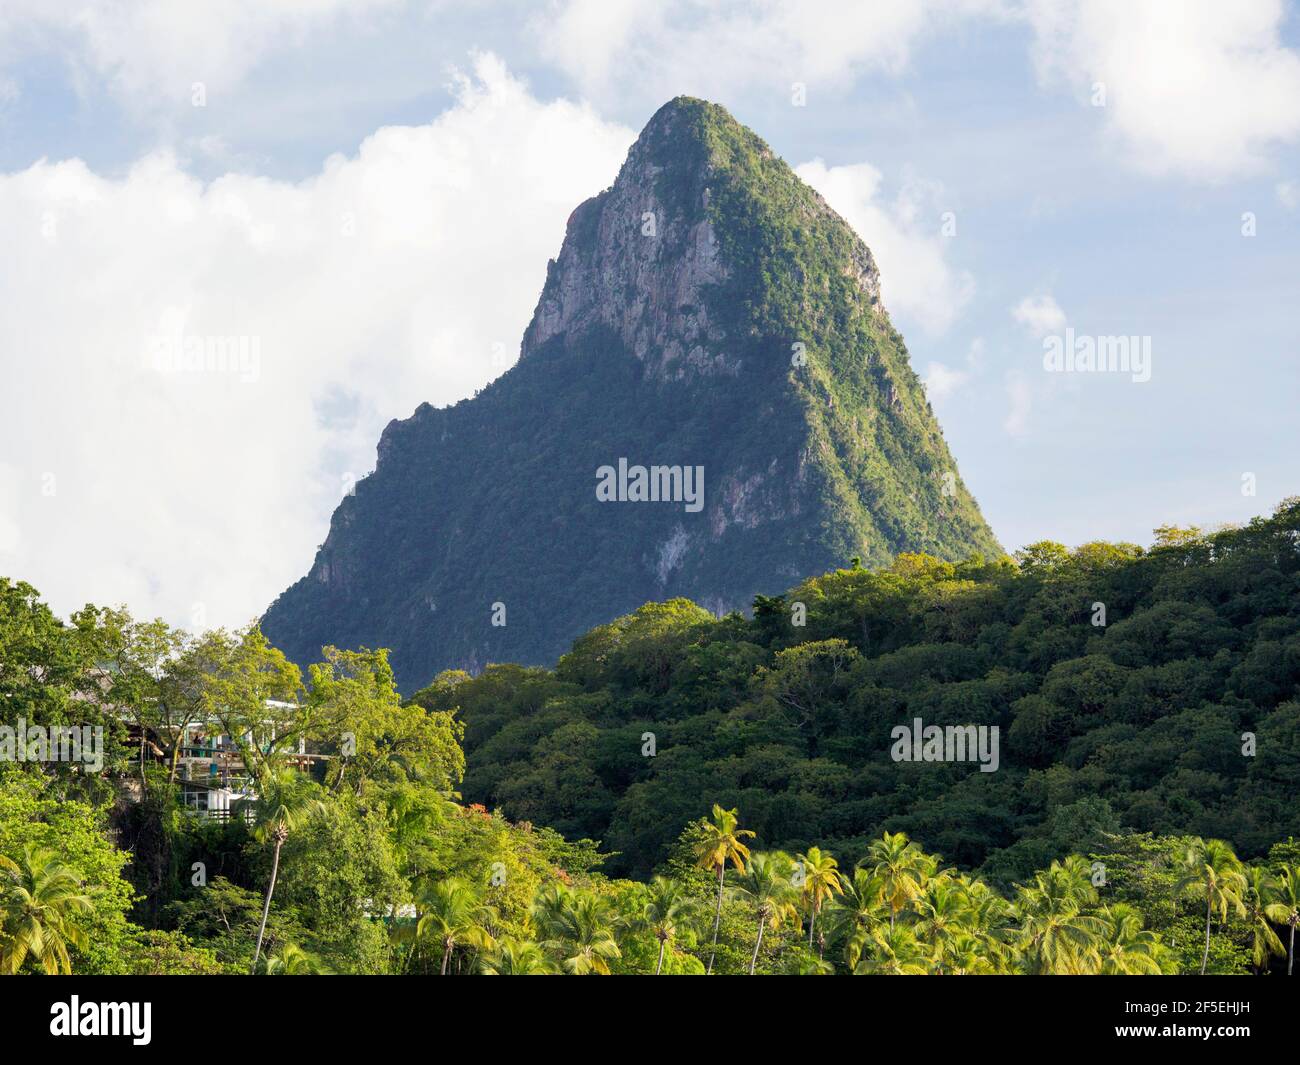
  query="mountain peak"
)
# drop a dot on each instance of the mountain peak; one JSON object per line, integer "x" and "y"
{"x": 707, "y": 312}
{"x": 684, "y": 128}
{"x": 701, "y": 208}
{"x": 689, "y": 109}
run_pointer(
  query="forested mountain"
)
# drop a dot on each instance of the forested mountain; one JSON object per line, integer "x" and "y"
{"x": 1144, "y": 690}
{"x": 707, "y": 311}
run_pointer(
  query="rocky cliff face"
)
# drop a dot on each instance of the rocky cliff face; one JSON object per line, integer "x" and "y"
{"x": 708, "y": 310}
{"x": 644, "y": 262}
{"x": 640, "y": 267}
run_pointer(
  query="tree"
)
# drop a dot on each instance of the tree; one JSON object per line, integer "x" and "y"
{"x": 1285, "y": 908}
{"x": 1124, "y": 948}
{"x": 131, "y": 660}
{"x": 292, "y": 960}
{"x": 1042, "y": 557}
{"x": 42, "y": 670}
{"x": 902, "y": 868}
{"x": 860, "y": 908}
{"x": 224, "y": 917}
{"x": 1261, "y": 891}
{"x": 942, "y": 914}
{"x": 721, "y": 844}
{"x": 35, "y": 813}
{"x": 987, "y": 916}
{"x": 579, "y": 928}
{"x": 765, "y": 884}
{"x": 42, "y": 900}
{"x": 1211, "y": 870}
{"x": 452, "y": 913}
{"x": 412, "y": 814}
{"x": 668, "y": 909}
{"x": 168, "y": 954}
{"x": 286, "y": 803}
{"x": 805, "y": 679}
{"x": 515, "y": 957}
{"x": 819, "y": 883}
{"x": 1055, "y": 935}
{"x": 895, "y": 951}
{"x": 353, "y": 696}
{"x": 254, "y": 692}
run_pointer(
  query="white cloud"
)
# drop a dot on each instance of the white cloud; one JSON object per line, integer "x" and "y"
{"x": 660, "y": 48}
{"x": 1288, "y": 194}
{"x": 916, "y": 278}
{"x": 1020, "y": 402}
{"x": 150, "y": 52}
{"x": 1041, "y": 315}
{"x": 942, "y": 381}
{"x": 1198, "y": 88}
{"x": 382, "y": 281}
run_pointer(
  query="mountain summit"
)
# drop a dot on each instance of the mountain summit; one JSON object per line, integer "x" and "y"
{"x": 710, "y": 402}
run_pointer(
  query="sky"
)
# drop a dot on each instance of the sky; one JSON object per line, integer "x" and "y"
{"x": 238, "y": 238}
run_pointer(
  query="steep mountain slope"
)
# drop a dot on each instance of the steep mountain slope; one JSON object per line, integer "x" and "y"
{"x": 708, "y": 310}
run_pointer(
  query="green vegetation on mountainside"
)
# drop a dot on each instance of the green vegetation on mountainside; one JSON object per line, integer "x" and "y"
{"x": 1139, "y": 724}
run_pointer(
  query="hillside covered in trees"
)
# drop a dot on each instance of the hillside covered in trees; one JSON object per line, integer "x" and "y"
{"x": 1147, "y": 690}
{"x": 688, "y": 794}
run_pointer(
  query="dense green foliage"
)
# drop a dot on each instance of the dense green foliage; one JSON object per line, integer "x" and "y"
{"x": 1139, "y": 724}
{"x": 806, "y": 463}
{"x": 1142, "y": 818}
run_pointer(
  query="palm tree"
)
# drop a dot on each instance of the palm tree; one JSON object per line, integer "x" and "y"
{"x": 515, "y": 957}
{"x": 668, "y": 908}
{"x": 1285, "y": 908}
{"x": 40, "y": 899}
{"x": 902, "y": 867}
{"x": 1125, "y": 949}
{"x": 452, "y": 913}
{"x": 820, "y": 884}
{"x": 942, "y": 914}
{"x": 287, "y": 803}
{"x": 1213, "y": 870}
{"x": 987, "y": 917}
{"x": 1261, "y": 891}
{"x": 720, "y": 845}
{"x": 802, "y": 964}
{"x": 859, "y": 908}
{"x": 1055, "y": 935}
{"x": 579, "y": 928}
{"x": 968, "y": 954}
{"x": 292, "y": 960}
{"x": 895, "y": 952}
{"x": 765, "y": 884}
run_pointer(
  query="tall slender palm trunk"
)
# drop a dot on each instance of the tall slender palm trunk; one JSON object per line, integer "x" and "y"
{"x": 446, "y": 955}
{"x": 1290, "y": 950}
{"x": 660, "y": 964}
{"x": 266, "y": 906}
{"x": 753, "y": 962}
{"x": 1208, "y": 910}
{"x": 717, "y": 919}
